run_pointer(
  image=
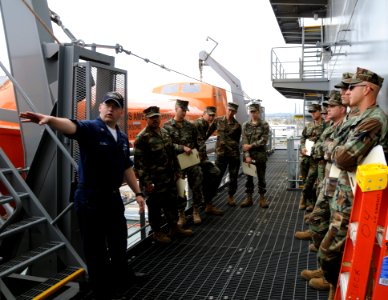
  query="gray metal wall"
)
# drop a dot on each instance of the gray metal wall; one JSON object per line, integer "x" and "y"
{"x": 365, "y": 25}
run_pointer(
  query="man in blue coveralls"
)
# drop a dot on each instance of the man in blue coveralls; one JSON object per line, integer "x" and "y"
{"x": 103, "y": 166}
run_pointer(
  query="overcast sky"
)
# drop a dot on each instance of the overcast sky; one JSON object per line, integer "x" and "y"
{"x": 173, "y": 32}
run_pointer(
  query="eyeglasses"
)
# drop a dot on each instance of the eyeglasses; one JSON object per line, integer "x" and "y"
{"x": 352, "y": 86}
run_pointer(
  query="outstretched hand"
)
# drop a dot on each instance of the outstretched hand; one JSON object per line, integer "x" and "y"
{"x": 34, "y": 117}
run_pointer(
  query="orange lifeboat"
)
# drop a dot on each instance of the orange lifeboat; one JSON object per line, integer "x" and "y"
{"x": 199, "y": 96}
{"x": 10, "y": 138}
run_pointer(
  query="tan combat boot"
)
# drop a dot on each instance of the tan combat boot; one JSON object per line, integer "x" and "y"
{"x": 263, "y": 202}
{"x": 247, "y": 201}
{"x": 177, "y": 231}
{"x": 211, "y": 210}
{"x": 304, "y": 235}
{"x": 182, "y": 218}
{"x": 319, "y": 284}
{"x": 196, "y": 217}
{"x": 231, "y": 201}
{"x": 302, "y": 203}
{"x": 310, "y": 274}
{"x": 161, "y": 237}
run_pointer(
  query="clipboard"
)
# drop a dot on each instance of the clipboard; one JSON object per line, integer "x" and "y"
{"x": 186, "y": 161}
{"x": 309, "y": 145}
{"x": 181, "y": 187}
{"x": 249, "y": 170}
{"x": 334, "y": 171}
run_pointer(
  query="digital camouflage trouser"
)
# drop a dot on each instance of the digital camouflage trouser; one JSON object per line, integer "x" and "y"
{"x": 194, "y": 178}
{"x": 233, "y": 165}
{"x": 210, "y": 180}
{"x": 319, "y": 218}
{"x": 308, "y": 191}
{"x": 332, "y": 246}
{"x": 261, "y": 165}
{"x": 304, "y": 166}
{"x": 162, "y": 202}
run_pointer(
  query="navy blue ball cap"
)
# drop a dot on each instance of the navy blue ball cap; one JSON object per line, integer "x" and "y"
{"x": 114, "y": 97}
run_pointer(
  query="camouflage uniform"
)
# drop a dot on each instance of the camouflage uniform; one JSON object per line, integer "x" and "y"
{"x": 203, "y": 134}
{"x": 317, "y": 155}
{"x": 155, "y": 163}
{"x": 256, "y": 135}
{"x": 210, "y": 172}
{"x": 228, "y": 149}
{"x": 319, "y": 218}
{"x": 365, "y": 131}
{"x": 312, "y": 131}
{"x": 187, "y": 135}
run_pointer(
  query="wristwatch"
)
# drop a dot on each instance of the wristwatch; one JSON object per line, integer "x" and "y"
{"x": 139, "y": 194}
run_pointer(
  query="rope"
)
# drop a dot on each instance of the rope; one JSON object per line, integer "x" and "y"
{"x": 41, "y": 21}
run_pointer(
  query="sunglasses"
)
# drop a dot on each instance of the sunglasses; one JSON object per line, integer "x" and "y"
{"x": 352, "y": 86}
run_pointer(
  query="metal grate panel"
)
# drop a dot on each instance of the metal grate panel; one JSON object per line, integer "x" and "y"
{"x": 249, "y": 253}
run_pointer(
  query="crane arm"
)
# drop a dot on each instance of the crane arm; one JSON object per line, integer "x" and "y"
{"x": 237, "y": 93}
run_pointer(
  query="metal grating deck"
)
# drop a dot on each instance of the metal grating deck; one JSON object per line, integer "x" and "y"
{"x": 249, "y": 253}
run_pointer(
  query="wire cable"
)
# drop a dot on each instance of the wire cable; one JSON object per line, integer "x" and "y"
{"x": 118, "y": 48}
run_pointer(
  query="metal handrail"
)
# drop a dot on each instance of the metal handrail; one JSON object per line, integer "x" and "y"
{"x": 33, "y": 108}
{"x": 289, "y": 63}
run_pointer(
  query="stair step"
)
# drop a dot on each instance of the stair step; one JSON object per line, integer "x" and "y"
{"x": 5, "y": 170}
{"x": 27, "y": 258}
{"x": 9, "y": 170}
{"x": 22, "y": 225}
{"x": 6, "y": 199}
{"x": 44, "y": 289}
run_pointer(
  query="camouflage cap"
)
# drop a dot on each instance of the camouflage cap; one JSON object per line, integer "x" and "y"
{"x": 314, "y": 107}
{"x": 335, "y": 99}
{"x": 182, "y": 104}
{"x": 151, "y": 112}
{"x": 211, "y": 110}
{"x": 232, "y": 106}
{"x": 342, "y": 84}
{"x": 254, "y": 107}
{"x": 327, "y": 97}
{"x": 365, "y": 75}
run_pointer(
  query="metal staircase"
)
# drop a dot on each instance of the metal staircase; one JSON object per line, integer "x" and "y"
{"x": 312, "y": 66}
{"x": 299, "y": 72}
{"x": 44, "y": 262}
